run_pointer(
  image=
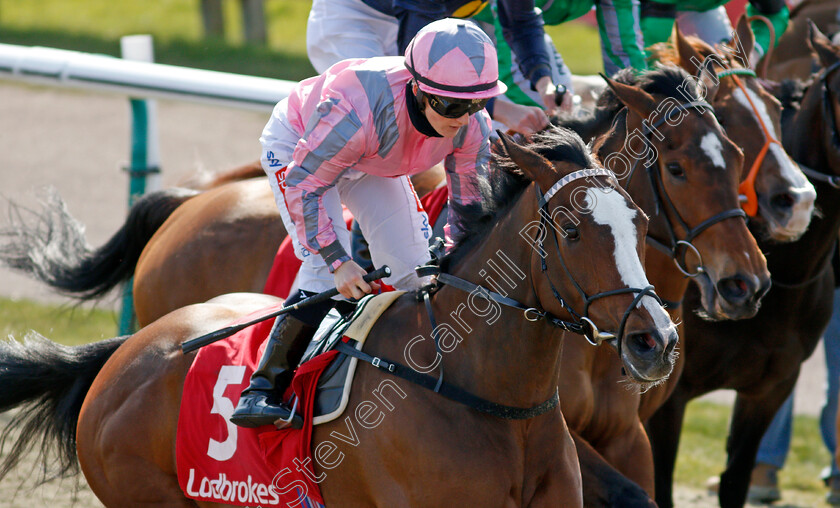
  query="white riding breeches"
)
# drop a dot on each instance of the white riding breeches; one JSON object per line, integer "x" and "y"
{"x": 388, "y": 211}
{"x": 713, "y": 26}
{"x": 340, "y": 29}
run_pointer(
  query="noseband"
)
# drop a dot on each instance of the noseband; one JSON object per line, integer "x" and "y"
{"x": 587, "y": 326}
{"x": 746, "y": 190}
{"x": 663, "y": 201}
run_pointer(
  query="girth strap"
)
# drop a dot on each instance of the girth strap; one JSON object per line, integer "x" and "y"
{"x": 449, "y": 391}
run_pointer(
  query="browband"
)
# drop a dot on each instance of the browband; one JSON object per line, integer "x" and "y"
{"x": 571, "y": 177}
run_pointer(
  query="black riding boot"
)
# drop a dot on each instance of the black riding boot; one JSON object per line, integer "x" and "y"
{"x": 259, "y": 403}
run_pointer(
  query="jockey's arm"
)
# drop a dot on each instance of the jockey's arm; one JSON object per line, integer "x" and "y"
{"x": 776, "y": 12}
{"x": 657, "y": 21}
{"x": 617, "y": 23}
{"x": 333, "y": 145}
{"x": 522, "y": 28}
{"x": 463, "y": 166}
{"x": 413, "y": 15}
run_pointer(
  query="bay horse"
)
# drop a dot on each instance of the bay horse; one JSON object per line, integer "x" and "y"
{"x": 573, "y": 264}
{"x": 690, "y": 193}
{"x": 760, "y": 358}
{"x": 784, "y": 196}
{"x": 734, "y": 273}
{"x": 751, "y": 117}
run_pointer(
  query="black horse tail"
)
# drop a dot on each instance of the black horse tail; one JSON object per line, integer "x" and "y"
{"x": 54, "y": 250}
{"x": 47, "y": 383}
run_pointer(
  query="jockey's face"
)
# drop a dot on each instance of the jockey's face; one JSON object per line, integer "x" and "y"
{"x": 446, "y": 127}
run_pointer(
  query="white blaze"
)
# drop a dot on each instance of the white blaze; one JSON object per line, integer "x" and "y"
{"x": 799, "y": 185}
{"x": 790, "y": 172}
{"x": 611, "y": 209}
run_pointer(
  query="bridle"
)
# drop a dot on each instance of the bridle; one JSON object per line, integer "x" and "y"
{"x": 671, "y": 246}
{"x": 581, "y": 324}
{"x": 746, "y": 189}
{"x": 830, "y": 118}
{"x": 833, "y": 181}
{"x": 590, "y": 331}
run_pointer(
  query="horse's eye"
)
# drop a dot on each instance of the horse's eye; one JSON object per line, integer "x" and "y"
{"x": 570, "y": 232}
{"x": 675, "y": 168}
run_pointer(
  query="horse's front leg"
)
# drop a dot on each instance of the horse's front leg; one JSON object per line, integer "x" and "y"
{"x": 603, "y": 485}
{"x": 558, "y": 473}
{"x": 630, "y": 453}
{"x": 750, "y": 418}
{"x": 664, "y": 429}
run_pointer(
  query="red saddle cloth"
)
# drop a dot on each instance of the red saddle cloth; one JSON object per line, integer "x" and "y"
{"x": 286, "y": 264}
{"x": 220, "y": 462}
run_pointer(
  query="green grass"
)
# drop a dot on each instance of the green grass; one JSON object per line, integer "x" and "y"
{"x": 702, "y": 453}
{"x": 96, "y": 26}
{"x": 63, "y": 324}
{"x": 579, "y": 46}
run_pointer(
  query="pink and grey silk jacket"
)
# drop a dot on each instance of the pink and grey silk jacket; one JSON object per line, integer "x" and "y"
{"x": 354, "y": 116}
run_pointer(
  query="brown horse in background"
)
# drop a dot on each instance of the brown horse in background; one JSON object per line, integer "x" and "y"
{"x": 760, "y": 357}
{"x": 792, "y": 59}
{"x": 752, "y": 118}
{"x": 691, "y": 193}
{"x": 587, "y": 252}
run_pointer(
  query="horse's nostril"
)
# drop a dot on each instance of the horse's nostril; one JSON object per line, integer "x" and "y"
{"x": 644, "y": 341}
{"x": 783, "y": 201}
{"x": 734, "y": 289}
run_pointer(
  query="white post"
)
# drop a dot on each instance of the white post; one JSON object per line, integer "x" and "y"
{"x": 145, "y": 138}
{"x": 144, "y": 168}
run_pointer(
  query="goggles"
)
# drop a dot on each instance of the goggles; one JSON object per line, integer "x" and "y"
{"x": 448, "y": 107}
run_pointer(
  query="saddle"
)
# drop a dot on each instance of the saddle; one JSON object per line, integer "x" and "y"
{"x": 333, "y": 389}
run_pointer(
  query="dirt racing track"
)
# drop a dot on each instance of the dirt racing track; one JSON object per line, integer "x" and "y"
{"x": 78, "y": 142}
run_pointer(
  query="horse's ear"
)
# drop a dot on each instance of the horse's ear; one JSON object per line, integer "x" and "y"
{"x": 536, "y": 167}
{"x": 826, "y": 52}
{"x": 690, "y": 57}
{"x": 744, "y": 41}
{"x": 636, "y": 99}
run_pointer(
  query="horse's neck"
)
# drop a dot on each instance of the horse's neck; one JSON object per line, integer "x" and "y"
{"x": 503, "y": 357}
{"x": 662, "y": 272}
{"x": 807, "y": 125}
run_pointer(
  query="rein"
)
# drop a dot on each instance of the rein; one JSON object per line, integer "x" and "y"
{"x": 664, "y": 202}
{"x": 581, "y": 324}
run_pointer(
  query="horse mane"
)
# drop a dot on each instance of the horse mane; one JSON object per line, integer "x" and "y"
{"x": 662, "y": 79}
{"x": 790, "y": 93}
{"x": 504, "y": 183}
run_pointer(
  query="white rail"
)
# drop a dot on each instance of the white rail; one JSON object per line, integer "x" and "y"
{"x": 74, "y": 69}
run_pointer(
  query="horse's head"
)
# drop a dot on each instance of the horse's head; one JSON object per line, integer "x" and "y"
{"x": 588, "y": 239}
{"x": 822, "y": 99}
{"x": 774, "y": 191}
{"x": 671, "y": 154}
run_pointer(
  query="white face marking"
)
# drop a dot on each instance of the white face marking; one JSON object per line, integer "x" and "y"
{"x": 610, "y": 209}
{"x": 799, "y": 186}
{"x": 710, "y": 144}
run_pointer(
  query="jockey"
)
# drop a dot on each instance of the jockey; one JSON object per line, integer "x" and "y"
{"x": 621, "y": 43}
{"x": 352, "y": 135}
{"x": 708, "y": 20}
{"x": 340, "y": 29}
